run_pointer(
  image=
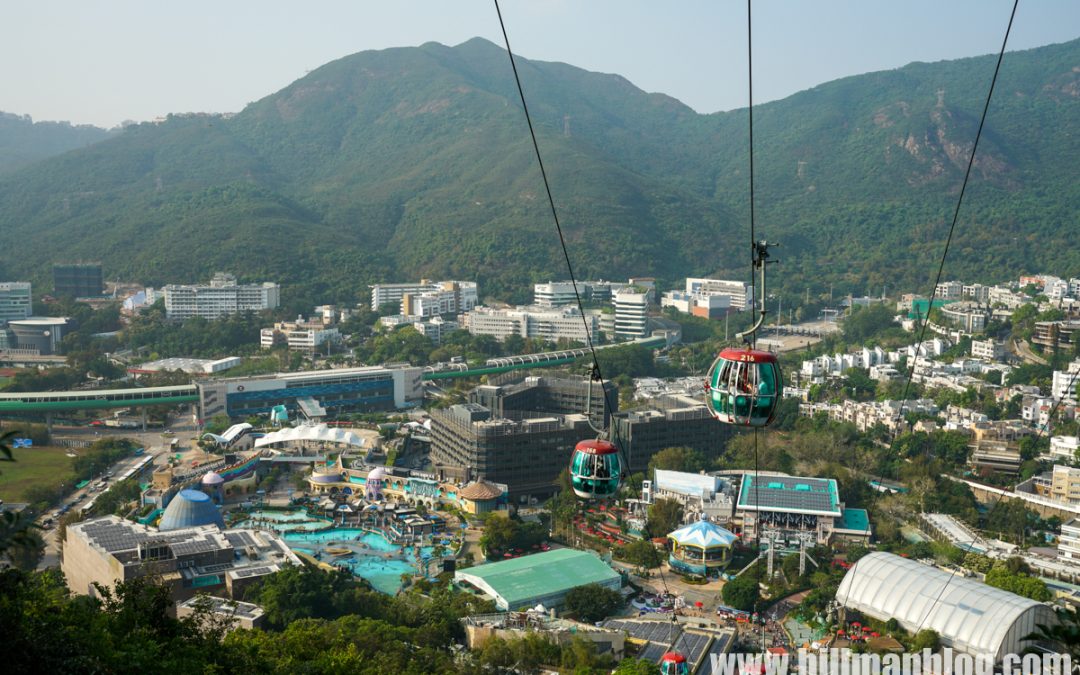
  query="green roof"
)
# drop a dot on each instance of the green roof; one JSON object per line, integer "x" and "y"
{"x": 519, "y": 581}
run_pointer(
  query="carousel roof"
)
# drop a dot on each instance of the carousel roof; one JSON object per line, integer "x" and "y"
{"x": 704, "y": 535}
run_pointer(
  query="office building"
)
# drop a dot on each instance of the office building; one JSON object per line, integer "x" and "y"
{"x": 527, "y": 455}
{"x": 546, "y": 323}
{"x": 41, "y": 334}
{"x": 433, "y": 297}
{"x": 704, "y": 305}
{"x": 78, "y": 280}
{"x": 631, "y": 314}
{"x": 308, "y": 337}
{"x": 558, "y": 293}
{"x": 317, "y": 393}
{"x": 667, "y": 421}
{"x": 741, "y": 294}
{"x": 15, "y": 302}
{"x": 222, "y": 297}
{"x": 539, "y": 396}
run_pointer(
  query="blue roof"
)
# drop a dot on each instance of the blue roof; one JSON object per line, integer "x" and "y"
{"x": 190, "y": 508}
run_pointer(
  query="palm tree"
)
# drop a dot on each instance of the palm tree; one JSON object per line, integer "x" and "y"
{"x": 1065, "y": 632}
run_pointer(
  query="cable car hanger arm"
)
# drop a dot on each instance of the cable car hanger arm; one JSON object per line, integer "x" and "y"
{"x": 761, "y": 260}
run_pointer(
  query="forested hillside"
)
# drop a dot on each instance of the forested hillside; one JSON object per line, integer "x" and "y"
{"x": 411, "y": 162}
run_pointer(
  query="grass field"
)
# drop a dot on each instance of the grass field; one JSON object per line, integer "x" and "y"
{"x": 34, "y": 466}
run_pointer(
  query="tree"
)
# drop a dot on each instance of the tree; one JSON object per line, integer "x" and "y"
{"x": 632, "y": 666}
{"x": 593, "y": 602}
{"x": 741, "y": 592}
{"x": 925, "y": 639}
{"x": 665, "y": 516}
{"x": 1065, "y": 632}
{"x": 643, "y": 554}
{"x": 677, "y": 459}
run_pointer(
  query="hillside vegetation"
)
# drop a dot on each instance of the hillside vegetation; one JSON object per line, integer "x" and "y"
{"x": 415, "y": 162}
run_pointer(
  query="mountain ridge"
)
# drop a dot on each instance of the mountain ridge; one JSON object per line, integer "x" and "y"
{"x": 395, "y": 164}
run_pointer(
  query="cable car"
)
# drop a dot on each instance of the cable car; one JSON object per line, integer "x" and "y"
{"x": 674, "y": 663}
{"x": 744, "y": 387}
{"x": 595, "y": 469}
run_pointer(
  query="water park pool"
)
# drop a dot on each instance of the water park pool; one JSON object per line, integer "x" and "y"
{"x": 365, "y": 554}
{"x": 284, "y": 521}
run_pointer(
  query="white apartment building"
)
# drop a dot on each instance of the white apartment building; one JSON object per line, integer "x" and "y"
{"x": 741, "y": 294}
{"x": 1064, "y": 447}
{"x": 450, "y": 298}
{"x": 988, "y": 350}
{"x": 1059, "y": 387}
{"x": 532, "y": 322}
{"x": 435, "y": 328}
{"x": 968, "y": 316}
{"x": 15, "y": 301}
{"x": 949, "y": 290}
{"x": 299, "y": 335}
{"x": 1007, "y": 297}
{"x": 697, "y": 304}
{"x": 631, "y": 314}
{"x": 977, "y": 293}
{"x": 222, "y": 297}
{"x": 1069, "y": 543}
{"x": 465, "y": 293}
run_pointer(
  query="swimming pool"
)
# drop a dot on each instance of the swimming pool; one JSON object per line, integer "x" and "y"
{"x": 366, "y": 554}
{"x": 284, "y": 521}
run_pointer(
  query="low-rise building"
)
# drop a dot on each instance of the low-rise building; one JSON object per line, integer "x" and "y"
{"x": 1056, "y": 336}
{"x": 237, "y": 614}
{"x": 1065, "y": 484}
{"x": 988, "y": 350}
{"x": 515, "y": 625}
{"x": 206, "y": 558}
{"x": 537, "y": 579}
{"x": 1069, "y": 543}
{"x": 300, "y": 336}
{"x": 998, "y": 456}
{"x": 546, "y": 323}
{"x": 1064, "y": 448}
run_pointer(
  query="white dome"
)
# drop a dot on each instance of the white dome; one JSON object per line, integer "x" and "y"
{"x": 378, "y": 473}
{"x": 212, "y": 478}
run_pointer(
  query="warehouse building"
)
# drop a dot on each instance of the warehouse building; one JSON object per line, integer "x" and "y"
{"x": 968, "y": 615}
{"x": 538, "y": 579}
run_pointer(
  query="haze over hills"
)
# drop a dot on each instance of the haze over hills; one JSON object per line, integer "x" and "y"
{"x": 24, "y": 141}
{"x": 402, "y": 163}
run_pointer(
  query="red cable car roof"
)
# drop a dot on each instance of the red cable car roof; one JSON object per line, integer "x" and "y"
{"x": 596, "y": 447}
{"x": 673, "y": 657}
{"x": 747, "y": 355}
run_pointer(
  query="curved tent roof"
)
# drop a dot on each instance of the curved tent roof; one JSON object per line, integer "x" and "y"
{"x": 968, "y": 615}
{"x": 190, "y": 508}
{"x": 230, "y": 434}
{"x": 319, "y": 433}
{"x": 704, "y": 535}
{"x": 481, "y": 490}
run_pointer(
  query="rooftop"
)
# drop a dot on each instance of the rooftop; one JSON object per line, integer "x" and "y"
{"x": 521, "y": 579}
{"x": 790, "y": 494}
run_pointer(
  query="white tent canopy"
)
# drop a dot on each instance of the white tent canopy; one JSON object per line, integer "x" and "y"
{"x": 318, "y": 433}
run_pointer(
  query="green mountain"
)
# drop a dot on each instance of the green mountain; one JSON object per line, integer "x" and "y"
{"x": 416, "y": 162}
{"x": 24, "y": 141}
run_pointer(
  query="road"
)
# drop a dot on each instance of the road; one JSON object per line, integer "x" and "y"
{"x": 153, "y": 441}
{"x": 1023, "y": 349}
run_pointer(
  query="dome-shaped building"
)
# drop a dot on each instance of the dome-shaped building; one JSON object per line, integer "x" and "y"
{"x": 701, "y": 548}
{"x": 212, "y": 484}
{"x": 323, "y": 482}
{"x": 374, "y": 484}
{"x": 190, "y": 508}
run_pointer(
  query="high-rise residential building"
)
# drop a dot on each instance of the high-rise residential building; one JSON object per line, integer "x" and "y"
{"x": 740, "y": 292}
{"x": 78, "y": 280}
{"x": 631, "y": 313}
{"x": 222, "y": 297}
{"x": 15, "y": 301}
{"x": 548, "y": 323}
{"x": 449, "y": 296}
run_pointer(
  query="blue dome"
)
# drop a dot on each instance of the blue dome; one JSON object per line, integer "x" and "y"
{"x": 190, "y": 508}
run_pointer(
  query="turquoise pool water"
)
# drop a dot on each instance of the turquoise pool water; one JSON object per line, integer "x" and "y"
{"x": 284, "y": 521}
{"x": 369, "y": 556}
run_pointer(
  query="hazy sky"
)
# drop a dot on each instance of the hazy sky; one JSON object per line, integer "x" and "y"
{"x": 106, "y": 61}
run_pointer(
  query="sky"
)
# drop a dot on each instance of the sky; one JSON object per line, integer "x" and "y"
{"x": 113, "y": 60}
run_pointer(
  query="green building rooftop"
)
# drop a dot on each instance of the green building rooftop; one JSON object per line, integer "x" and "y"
{"x": 538, "y": 579}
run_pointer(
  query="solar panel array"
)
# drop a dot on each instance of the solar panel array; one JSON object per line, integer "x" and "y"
{"x": 653, "y": 631}
{"x": 246, "y": 572}
{"x": 194, "y": 546}
{"x": 653, "y": 652}
{"x": 241, "y": 539}
{"x": 692, "y": 646}
{"x": 718, "y": 647}
{"x": 786, "y": 492}
{"x": 114, "y": 536}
